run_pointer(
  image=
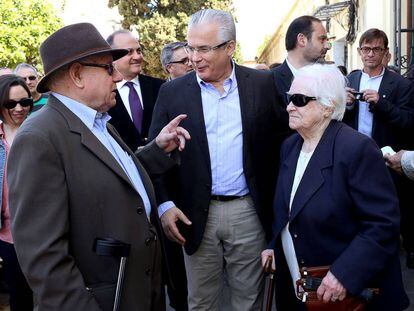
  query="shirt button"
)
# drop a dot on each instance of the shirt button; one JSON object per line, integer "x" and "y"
{"x": 295, "y": 236}
{"x": 148, "y": 271}
{"x": 140, "y": 210}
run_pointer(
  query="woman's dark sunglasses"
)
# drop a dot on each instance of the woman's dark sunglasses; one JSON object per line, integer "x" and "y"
{"x": 299, "y": 100}
{"x": 24, "y": 102}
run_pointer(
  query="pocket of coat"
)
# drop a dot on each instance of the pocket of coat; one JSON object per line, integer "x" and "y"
{"x": 104, "y": 294}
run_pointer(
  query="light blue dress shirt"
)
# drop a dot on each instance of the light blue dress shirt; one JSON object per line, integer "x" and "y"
{"x": 222, "y": 117}
{"x": 96, "y": 123}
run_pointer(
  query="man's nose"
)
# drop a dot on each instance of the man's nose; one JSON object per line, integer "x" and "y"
{"x": 117, "y": 76}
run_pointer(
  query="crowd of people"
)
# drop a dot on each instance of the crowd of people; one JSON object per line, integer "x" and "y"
{"x": 114, "y": 183}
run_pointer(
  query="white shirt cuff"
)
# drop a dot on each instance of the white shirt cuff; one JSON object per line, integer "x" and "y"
{"x": 407, "y": 164}
{"x": 165, "y": 207}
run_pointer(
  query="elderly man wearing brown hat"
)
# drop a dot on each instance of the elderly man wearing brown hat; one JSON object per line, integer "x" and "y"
{"x": 77, "y": 192}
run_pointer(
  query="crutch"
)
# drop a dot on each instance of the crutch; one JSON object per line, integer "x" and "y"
{"x": 114, "y": 248}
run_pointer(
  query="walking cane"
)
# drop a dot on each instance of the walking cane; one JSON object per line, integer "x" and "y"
{"x": 114, "y": 248}
{"x": 271, "y": 272}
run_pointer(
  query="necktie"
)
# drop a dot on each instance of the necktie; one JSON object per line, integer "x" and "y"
{"x": 135, "y": 104}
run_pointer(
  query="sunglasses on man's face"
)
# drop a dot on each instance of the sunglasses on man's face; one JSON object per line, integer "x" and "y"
{"x": 30, "y": 78}
{"x": 24, "y": 102}
{"x": 299, "y": 100}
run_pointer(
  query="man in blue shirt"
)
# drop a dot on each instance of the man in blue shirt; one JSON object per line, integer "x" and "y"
{"x": 226, "y": 180}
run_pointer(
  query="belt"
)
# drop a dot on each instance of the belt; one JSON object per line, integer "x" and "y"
{"x": 225, "y": 198}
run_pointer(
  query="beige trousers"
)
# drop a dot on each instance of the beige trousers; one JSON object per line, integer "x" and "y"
{"x": 232, "y": 243}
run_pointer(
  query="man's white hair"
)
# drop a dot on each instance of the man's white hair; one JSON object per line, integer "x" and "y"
{"x": 227, "y": 28}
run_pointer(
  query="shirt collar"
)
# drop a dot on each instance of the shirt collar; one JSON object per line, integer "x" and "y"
{"x": 231, "y": 80}
{"x": 293, "y": 69}
{"x": 83, "y": 112}
{"x": 120, "y": 84}
{"x": 380, "y": 75}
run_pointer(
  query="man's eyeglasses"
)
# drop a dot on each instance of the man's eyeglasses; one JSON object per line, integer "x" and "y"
{"x": 375, "y": 50}
{"x": 299, "y": 100}
{"x": 183, "y": 61}
{"x": 204, "y": 49}
{"x": 24, "y": 102}
{"x": 30, "y": 78}
{"x": 108, "y": 67}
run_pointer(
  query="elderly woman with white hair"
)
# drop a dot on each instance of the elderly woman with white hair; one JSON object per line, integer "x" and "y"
{"x": 335, "y": 203}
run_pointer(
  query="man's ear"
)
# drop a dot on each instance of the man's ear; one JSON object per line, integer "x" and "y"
{"x": 75, "y": 74}
{"x": 231, "y": 47}
{"x": 168, "y": 68}
{"x": 301, "y": 40}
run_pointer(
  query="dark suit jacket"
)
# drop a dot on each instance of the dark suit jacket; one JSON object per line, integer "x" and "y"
{"x": 121, "y": 120}
{"x": 344, "y": 214}
{"x": 393, "y": 120}
{"x": 263, "y": 121}
{"x": 66, "y": 189}
{"x": 283, "y": 79}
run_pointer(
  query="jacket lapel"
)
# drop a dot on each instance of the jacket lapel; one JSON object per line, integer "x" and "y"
{"x": 141, "y": 170}
{"x": 196, "y": 117}
{"x": 312, "y": 178}
{"x": 384, "y": 90}
{"x": 247, "y": 106}
{"x": 287, "y": 77}
{"x": 88, "y": 139}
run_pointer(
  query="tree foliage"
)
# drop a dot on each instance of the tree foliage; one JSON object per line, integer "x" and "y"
{"x": 24, "y": 24}
{"x": 162, "y": 21}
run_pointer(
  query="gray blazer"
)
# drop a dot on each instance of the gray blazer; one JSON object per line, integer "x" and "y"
{"x": 66, "y": 189}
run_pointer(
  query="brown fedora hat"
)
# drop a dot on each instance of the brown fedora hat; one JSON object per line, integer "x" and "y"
{"x": 69, "y": 44}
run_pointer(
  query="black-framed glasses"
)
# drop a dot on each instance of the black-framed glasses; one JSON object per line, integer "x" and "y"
{"x": 24, "y": 102}
{"x": 375, "y": 50}
{"x": 108, "y": 67}
{"x": 299, "y": 100}
{"x": 183, "y": 61}
{"x": 30, "y": 78}
{"x": 204, "y": 49}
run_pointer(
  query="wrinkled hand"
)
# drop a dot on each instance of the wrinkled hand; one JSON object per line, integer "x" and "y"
{"x": 371, "y": 96}
{"x": 331, "y": 289}
{"x": 394, "y": 161}
{"x": 350, "y": 98}
{"x": 265, "y": 255}
{"x": 172, "y": 135}
{"x": 168, "y": 221}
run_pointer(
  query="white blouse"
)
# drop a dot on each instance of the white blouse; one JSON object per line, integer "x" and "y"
{"x": 287, "y": 242}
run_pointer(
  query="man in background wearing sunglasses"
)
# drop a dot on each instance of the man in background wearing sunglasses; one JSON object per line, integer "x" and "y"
{"x": 31, "y": 76}
{"x": 136, "y": 93}
{"x": 306, "y": 43}
{"x": 226, "y": 180}
{"x": 380, "y": 104}
{"x": 175, "y": 61}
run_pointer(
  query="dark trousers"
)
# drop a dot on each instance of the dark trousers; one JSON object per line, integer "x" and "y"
{"x": 21, "y": 296}
{"x": 177, "y": 291}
